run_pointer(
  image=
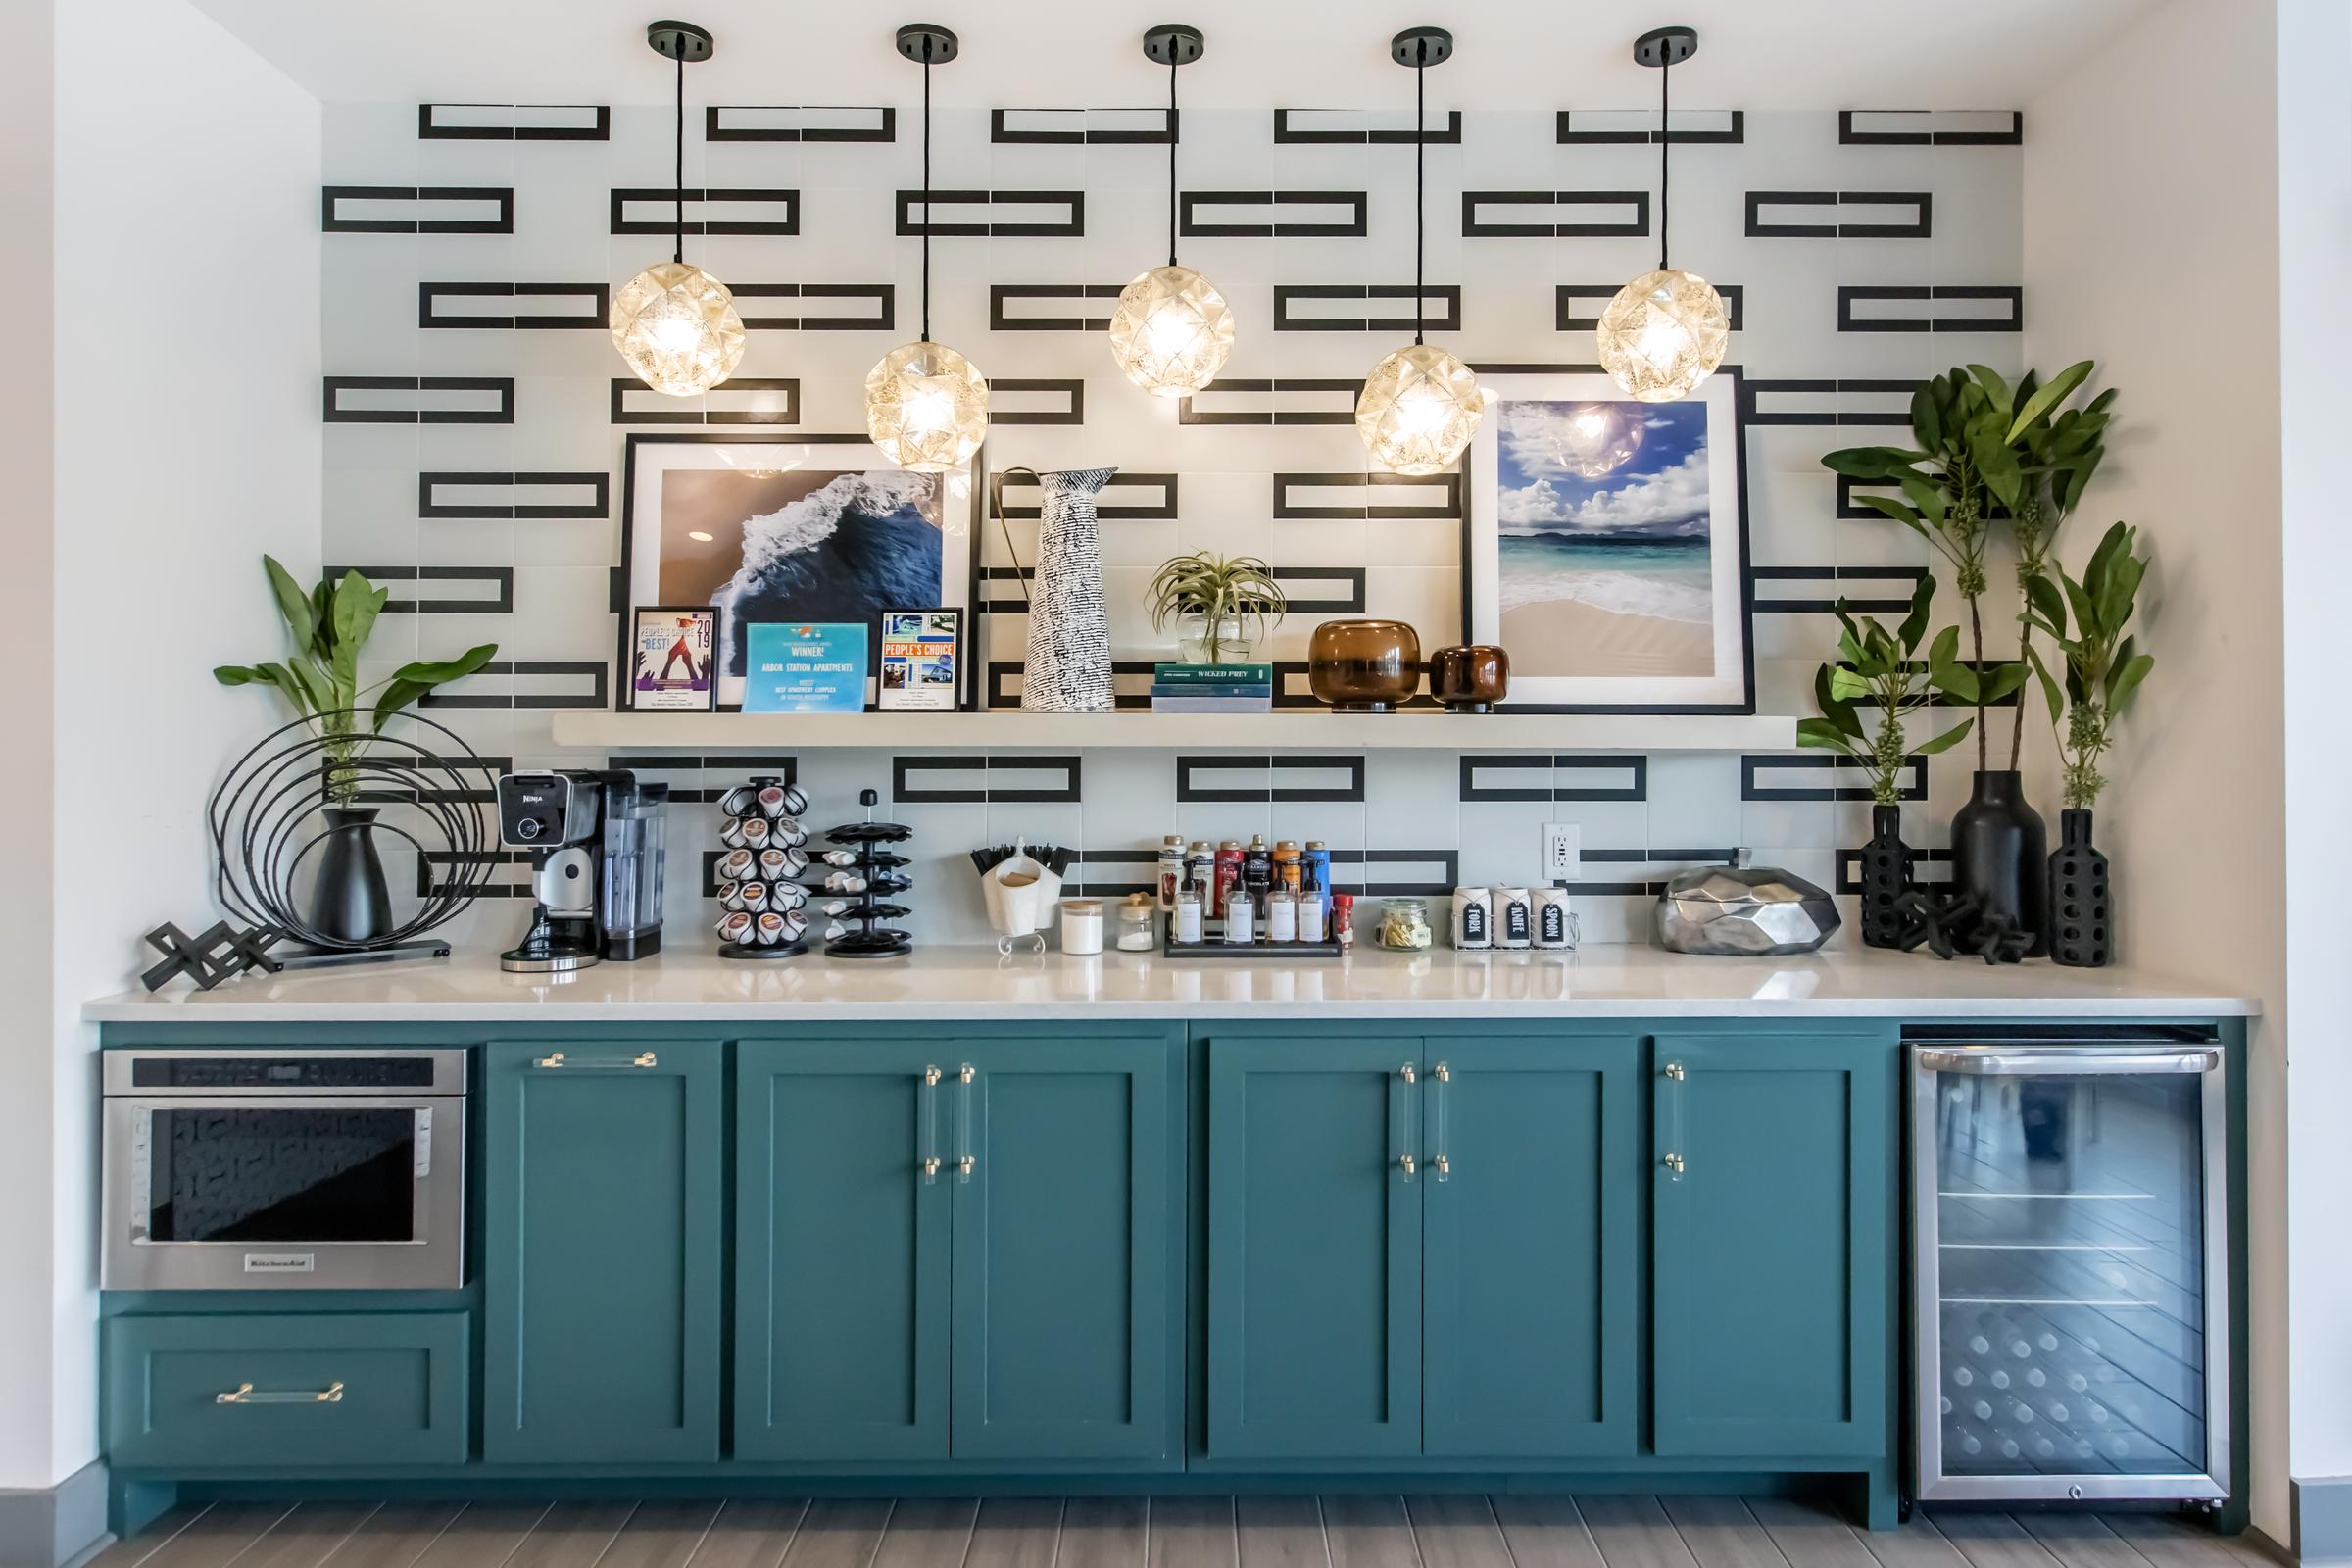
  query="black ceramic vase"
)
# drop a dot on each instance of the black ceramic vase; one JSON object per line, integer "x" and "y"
{"x": 2081, "y": 917}
{"x": 351, "y": 904}
{"x": 1886, "y": 875}
{"x": 2001, "y": 858}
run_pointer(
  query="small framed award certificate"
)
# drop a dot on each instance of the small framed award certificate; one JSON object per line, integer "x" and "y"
{"x": 672, "y": 656}
{"x": 817, "y": 667}
{"x": 921, "y": 652}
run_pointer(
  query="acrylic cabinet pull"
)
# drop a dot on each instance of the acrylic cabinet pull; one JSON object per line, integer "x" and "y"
{"x": 556, "y": 1059}
{"x": 930, "y": 1115}
{"x": 1439, "y": 1164}
{"x": 1674, "y": 1160}
{"x": 1406, "y": 1161}
{"x": 966, "y": 1160}
{"x": 247, "y": 1393}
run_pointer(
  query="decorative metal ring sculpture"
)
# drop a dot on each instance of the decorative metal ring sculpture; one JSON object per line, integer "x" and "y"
{"x": 264, "y": 819}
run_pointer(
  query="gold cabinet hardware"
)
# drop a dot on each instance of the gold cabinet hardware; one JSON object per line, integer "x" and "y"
{"x": 1674, "y": 1070}
{"x": 968, "y": 1075}
{"x": 930, "y": 1077}
{"x": 247, "y": 1393}
{"x": 1406, "y": 1163}
{"x": 965, "y": 1166}
{"x": 1674, "y": 1163}
{"x": 556, "y": 1059}
{"x": 1406, "y": 1072}
{"x": 1444, "y": 1076}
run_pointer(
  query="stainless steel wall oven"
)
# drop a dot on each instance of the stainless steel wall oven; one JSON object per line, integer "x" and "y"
{"x": 320, "y": 1170}
{"x": 2070, "y": 1286}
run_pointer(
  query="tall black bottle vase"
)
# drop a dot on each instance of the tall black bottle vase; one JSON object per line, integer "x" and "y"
{"x": 2081, "y": 911}
{"x": 2001, "y": 858}
{"x": 1886, "y": 875}
{"x": 351, "y": 902}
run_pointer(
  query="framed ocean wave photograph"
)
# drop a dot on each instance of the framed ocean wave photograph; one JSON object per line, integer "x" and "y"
{"x": 1605, "y": 546}
{"x": 789, "y": 528}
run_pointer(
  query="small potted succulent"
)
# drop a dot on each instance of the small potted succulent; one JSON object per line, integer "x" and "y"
{"x": 2099, "y": 669}
{"x": 1881, "y": 670}
{"x": 1221, "y": 606}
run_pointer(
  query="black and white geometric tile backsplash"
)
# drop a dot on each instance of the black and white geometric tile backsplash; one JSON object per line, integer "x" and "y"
{"x": 474, "y": 413}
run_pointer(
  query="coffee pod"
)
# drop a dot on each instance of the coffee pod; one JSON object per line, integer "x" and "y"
{"x": 834, "y": 907}
{"x": 756, "y": 830}
{"x": 755, "y": 894}
{"x": 796, "y": 800}
{"x": 730, "y": 832}
{"x": 787, "y": 831}
{"x": 786, "y": 895}
{"x": 777, "y": 866}
{"x": 770, "y": 929}
{"x": 735, "y": 928}
{"x": 739, "y": 801}
{"x": 737, "y": 864}
{"x": 795, "y": 926}
{"x": 731, "y": 895}
{"x": 839, "y": 857}
{"x": 843, "y": 882}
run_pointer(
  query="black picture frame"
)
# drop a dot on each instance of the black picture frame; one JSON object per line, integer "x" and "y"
{"x": 963, "y": 622}
{"x": 976, "y": 469}
{"x": 632, "y": 620}
{"x": 1741, "y": 400}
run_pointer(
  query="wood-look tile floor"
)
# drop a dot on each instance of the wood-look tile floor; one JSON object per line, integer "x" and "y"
{"x": 1299, "y": 1532}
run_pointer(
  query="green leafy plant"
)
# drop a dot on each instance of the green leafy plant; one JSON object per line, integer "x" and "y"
{"x": 2101, "y": 663}
{"x": 1219, "y": 591}
{"x": 2058, "y": 450}
{"x": 1969, "y": 425}
{"x": 1882, "y": 671}
{"x": 328, "y": 627}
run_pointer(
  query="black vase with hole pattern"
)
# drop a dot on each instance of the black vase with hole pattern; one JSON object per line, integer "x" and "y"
{"x": 1885, "y": 876}
{"x": 2082, "y": 914}
{"x": 2001, "y": 858}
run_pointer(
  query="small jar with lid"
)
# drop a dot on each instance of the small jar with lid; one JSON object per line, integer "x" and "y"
{"x": 1137, "y": 917}
{"x": 1404, "y": 923}
{"x": 1082, "y": 926}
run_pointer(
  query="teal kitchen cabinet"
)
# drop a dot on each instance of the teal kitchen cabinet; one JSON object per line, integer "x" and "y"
{"x": 957, "y": 1248}
{"x": 1314, "y": 1247}
{"x": 841, "y": 1259}
{"x": 1063, "y": 1296}
{"x": 1771, "y": 1254}
{"x": 1531, "y": 1202}
{"x": 602, "y": 1181}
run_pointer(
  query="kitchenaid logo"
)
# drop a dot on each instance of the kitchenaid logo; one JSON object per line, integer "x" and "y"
{"x": 280, "y": 1262}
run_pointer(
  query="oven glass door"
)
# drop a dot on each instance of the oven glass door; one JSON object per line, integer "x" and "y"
{"x": 2070, "y": 1270}
{"x": 284, "y": 1172}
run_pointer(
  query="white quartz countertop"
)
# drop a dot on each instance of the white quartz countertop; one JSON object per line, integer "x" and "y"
{"x": 975, "y": 983}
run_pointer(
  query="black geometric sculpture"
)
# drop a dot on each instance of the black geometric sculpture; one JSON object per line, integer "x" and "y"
{"x": 1949, "y": 924}
{"x": 218, "y": 953}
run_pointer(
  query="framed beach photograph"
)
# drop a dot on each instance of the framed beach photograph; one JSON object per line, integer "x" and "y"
{"x": 788, "y": 527}
{"x": 1605, "y": 545}
{"x": 673, "y": 659}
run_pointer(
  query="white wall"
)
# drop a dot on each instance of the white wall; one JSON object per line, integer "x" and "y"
{"x": 185, "y": 443}
{"x": 2152, "y": 242}
{"x": 2315, "y": 270}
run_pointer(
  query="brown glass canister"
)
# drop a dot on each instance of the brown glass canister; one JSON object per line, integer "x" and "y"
{"x": 1364, "y": 666}
{"x": 1470, "y": 679}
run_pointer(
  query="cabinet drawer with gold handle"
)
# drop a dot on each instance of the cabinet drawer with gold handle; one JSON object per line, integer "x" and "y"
{"x": 285, "y": 1389}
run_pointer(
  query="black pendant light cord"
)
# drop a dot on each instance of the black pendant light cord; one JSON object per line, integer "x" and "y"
{"x": 1420, "y": 152}
{"x": 927, "y": 190}
{"x": 678, "y": 254}
{"x": 1665, "y": 146}
{"x": 1174, "y": 55}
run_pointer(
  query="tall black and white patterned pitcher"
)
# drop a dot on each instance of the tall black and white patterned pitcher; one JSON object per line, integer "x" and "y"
{"x": 1068, "y": 667}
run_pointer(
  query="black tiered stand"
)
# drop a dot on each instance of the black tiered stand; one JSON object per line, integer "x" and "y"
{"x": 882, "y": 870}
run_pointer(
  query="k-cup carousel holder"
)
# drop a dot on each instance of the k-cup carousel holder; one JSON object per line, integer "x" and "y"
{"x": 861, "y": 878}
{"x": 763, "y": 903}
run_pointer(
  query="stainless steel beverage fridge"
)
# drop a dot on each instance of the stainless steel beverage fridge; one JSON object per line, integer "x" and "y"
{"x": 2069, "y": 1300}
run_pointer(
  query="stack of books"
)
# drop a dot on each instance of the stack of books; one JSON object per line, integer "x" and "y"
{"x": 1212, "y": 689}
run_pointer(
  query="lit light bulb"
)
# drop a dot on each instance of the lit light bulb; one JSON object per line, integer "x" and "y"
{"x": 676, "y": 326}
{"x": 926, "y": 407}
{"x": 1172, "y": 332}
{"x": 1418, "y": 409}
{"x": 1663, "y": 334}
{"x": 1596, "y": 439}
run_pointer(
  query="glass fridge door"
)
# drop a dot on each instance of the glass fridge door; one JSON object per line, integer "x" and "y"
{"x": 2071, "y": 1324}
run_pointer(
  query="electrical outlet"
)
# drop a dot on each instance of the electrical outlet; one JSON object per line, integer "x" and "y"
{"x": 1563, "y": 852}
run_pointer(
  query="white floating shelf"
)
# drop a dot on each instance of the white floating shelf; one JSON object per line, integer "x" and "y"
{"x": 1283, "y": 731}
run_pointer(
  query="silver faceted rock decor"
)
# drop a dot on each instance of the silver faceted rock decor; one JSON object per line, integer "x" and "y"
{"x": 1743, "y": 912}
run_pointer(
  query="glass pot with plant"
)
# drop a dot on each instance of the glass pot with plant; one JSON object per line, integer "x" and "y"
{"x": 1881, "y": 670}
{"x": 328, "y": 627}
{"x": 1221, "y": 606}
{"x": 2101, "y": 667}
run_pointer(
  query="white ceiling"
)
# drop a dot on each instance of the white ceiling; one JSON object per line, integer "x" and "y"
{"x": 1527, "y": 54}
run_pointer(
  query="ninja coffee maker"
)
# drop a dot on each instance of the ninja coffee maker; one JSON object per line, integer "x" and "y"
{"x": 595, "y": 842}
